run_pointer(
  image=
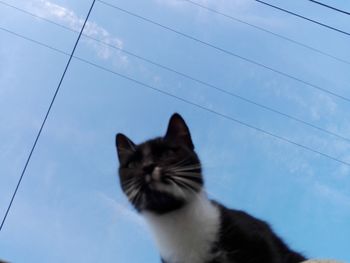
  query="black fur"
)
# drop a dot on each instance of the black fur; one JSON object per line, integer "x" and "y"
{"x": 242, "y": 238}
{"x": 245, "y": 239}
{"x": 138, "y": 161}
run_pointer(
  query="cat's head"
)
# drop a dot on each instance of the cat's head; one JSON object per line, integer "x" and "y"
{"x": 162, "y": 174}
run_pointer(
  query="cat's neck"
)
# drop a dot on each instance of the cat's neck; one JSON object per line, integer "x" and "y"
{"x": 187, "y": 234}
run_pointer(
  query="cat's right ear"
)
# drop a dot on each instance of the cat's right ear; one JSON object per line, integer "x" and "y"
{"x": 178, "y": 131}
{"x": 124, "y": 146}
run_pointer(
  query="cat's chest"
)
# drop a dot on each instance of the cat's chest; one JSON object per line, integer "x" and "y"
{"x": 187, "y": 235}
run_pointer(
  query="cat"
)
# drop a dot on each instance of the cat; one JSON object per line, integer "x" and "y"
{"x": 162, "y": 179}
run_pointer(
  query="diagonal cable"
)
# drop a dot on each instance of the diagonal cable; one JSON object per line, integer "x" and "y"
{"x": 303, "y": 17}
{"x": 330, "y": 7}
{"x": 184, "y": 100}
{"x": 227, "y": 52}
{"x": 231, "y": 17}
{"x": 204, "y": 7}
{"x": 187, "y": 76}
{"x": 46, "y": 116}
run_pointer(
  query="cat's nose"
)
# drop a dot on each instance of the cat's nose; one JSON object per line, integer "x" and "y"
{"x": 148, "y": 168}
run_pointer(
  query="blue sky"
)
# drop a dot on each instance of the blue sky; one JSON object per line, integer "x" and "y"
{"x": 69, "y": 207}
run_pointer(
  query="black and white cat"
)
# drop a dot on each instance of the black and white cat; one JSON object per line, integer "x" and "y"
{"x": 162, "y": 179}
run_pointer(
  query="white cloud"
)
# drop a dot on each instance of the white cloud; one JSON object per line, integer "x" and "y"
{"x": 69, "y": 18}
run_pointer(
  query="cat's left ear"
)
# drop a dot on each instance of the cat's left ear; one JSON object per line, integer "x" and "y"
{"x": 125, "y": 147}
{"x": 178, "y": 131}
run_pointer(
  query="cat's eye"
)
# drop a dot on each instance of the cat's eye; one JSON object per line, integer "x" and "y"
{"x": 169, "y": 152}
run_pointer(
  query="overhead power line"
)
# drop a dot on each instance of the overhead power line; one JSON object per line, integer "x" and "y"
{"x": 231, "y": 17}
{"x": 330, "y": 7}
{"x": 304, "y": 17}
{"x": 47, "y": 113}
{"x": 321, "y": 52}
{"x": 222, "y": 115}
{"x": 37, "y": 16}
{"x": 194, "y": 104}
{"x": 227, "y": 52}
{"x": 187, "y": 76}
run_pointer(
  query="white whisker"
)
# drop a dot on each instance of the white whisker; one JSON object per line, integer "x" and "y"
{"x": 181, "y": 161}
{"x": 188, "y": 182}
{"x": 188, "y": 174}
{"x": 184, "y": 168}
{"x": 178, "y": 187}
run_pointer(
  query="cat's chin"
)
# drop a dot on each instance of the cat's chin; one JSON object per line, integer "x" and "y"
{"x": 160, "y": 198}
{"x": 175, "y": 192}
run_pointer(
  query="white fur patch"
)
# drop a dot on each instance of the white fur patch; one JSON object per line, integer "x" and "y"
{"x": 186, "y": 235}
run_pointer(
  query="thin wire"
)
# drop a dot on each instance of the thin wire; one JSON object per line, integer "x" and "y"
{"x": 230, "y": 53}
{"x": 232, "y": 94}
{"x": 268, "y": 31}
{"x": 328, "y": 6}
{"x": 304, "y": 17}
{"x": 201, "y": 6}
{"x": 227, "y": 117}
{"x": 48, "y": 111}
{"x": 37, "y": 16}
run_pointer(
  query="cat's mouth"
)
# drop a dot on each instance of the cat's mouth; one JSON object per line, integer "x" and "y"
{"x": 157, "y": 180}
{"x": 161, "y": 188}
